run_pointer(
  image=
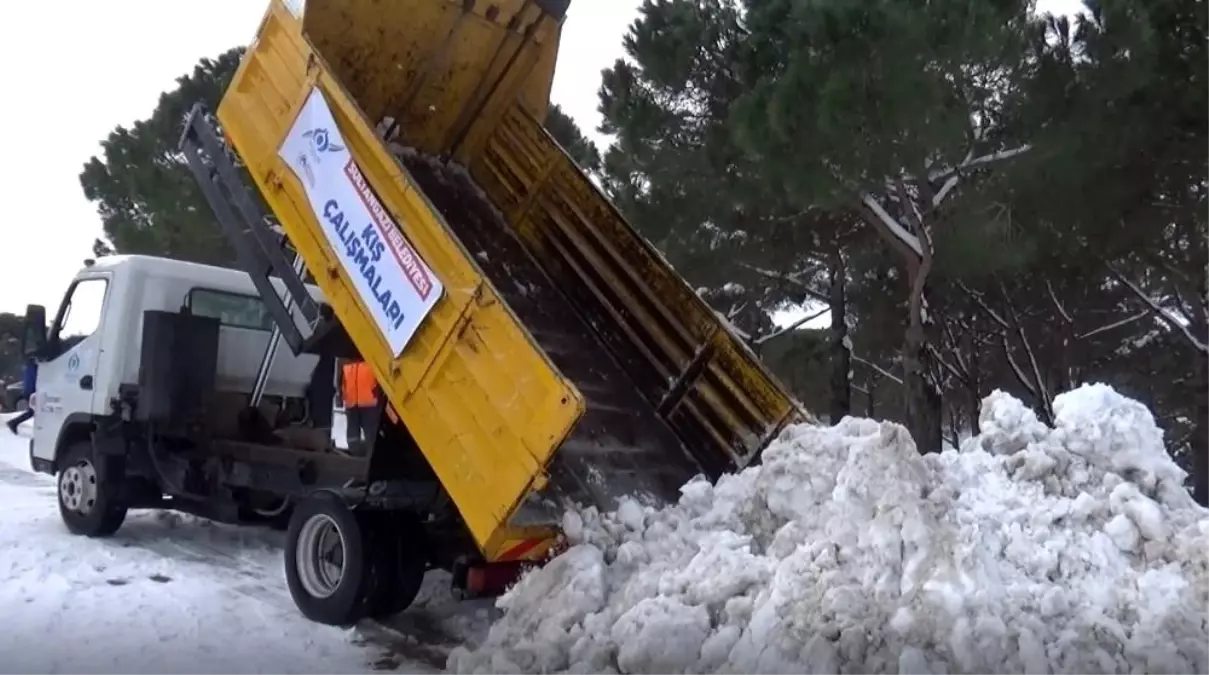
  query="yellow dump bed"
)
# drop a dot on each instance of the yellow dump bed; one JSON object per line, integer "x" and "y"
{"x": 562, "y": 358}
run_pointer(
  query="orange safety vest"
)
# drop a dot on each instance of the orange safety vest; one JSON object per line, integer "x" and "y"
{"x": 358, "y": 385}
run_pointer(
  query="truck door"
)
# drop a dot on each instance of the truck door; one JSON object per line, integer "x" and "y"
{"x": 67, "y": 372}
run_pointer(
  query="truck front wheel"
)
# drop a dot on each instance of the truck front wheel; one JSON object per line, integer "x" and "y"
{"x": 87, "y": 501}
{"x": 328, "y": 562}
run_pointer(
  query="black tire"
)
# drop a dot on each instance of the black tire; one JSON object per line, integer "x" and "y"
{"x": 346, "y": 600}
{"x": 88, "y": 503}
{"x": 401, "y": 552}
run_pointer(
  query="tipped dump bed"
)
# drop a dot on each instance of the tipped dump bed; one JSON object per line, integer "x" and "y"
{"x": 566, "y": 360}
{"x": 620, "y": 446}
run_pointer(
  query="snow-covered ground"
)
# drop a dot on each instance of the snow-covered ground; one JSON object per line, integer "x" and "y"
{"x": 167, "y": 594}
{"x": 1073, "y": 549}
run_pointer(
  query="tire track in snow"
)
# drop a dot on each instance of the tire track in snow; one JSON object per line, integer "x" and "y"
{"x": 240, "y": 575}
{"x": 176, "y": 538}
{"x": 16, "y": 477}
{"x": 428, "y": 647}
{"x": 422, "y": 636}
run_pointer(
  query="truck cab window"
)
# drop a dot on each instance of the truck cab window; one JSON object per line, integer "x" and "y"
{"x": 81, "y": 312}
{"x": 231, "y": 309}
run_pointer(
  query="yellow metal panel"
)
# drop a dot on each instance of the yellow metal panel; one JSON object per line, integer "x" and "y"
{"x": 727, "y": 405}
{"x": 481, "y": 400}
{"x": 445, "y": 71}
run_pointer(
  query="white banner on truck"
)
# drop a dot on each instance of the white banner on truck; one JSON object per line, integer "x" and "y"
{"x": 399, "y": 289}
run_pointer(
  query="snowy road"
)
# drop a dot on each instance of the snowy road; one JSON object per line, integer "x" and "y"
{"x": 174, "y": 594}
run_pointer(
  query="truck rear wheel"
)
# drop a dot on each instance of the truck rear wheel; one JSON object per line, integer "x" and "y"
{"x": 87, "y": 501}
{"x": 401, "y": 550}
{"x": 329, "y": 566}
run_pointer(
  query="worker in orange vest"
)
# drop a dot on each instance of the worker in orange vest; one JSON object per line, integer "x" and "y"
{"x": 358, "y": 389}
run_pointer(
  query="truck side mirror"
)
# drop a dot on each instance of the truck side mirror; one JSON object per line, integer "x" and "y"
{"x": 33, "y": 332}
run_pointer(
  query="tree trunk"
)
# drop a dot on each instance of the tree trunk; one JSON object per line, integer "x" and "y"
{"x": 954, "y": 413}
{"x": 924, "y": 410}
{"x": 1199, "y": 445}
{"x": 974, "y": 384}
{"x": 870, "y": 404}
{"x": 923, "y": 402}
{"x": 841, "y": 361}
{"x": 1199, "y": 464}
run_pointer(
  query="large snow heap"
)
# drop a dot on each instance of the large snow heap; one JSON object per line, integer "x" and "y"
{"x": 1072, "y": 549}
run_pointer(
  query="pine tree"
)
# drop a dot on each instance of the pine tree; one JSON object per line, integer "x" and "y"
{"x": 146, "y": 196}
{"x": 1132, "y": 124}
{"x": 883, "y": 108}
{"x": 571, "y": 137}
{"x": 676, "y": 171}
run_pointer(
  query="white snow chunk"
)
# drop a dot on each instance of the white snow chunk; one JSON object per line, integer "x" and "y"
{"x": 1031, "y": 549}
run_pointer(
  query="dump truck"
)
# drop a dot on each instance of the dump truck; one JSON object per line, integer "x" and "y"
{"x": 534, "y": 353}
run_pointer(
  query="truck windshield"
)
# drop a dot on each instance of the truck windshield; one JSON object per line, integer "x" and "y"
{"x": 81, "y": 313}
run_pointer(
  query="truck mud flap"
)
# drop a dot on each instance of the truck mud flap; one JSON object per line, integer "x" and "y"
{"x": 620, "y": 447}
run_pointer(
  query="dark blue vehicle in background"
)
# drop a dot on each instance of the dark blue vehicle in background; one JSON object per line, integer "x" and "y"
{"x": 15, "y": 398}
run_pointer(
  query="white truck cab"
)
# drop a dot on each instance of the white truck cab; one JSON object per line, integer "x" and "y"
{"x": 93, "y": 345}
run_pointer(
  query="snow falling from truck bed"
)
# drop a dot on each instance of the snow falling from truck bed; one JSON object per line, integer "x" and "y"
{"x": 620, "y": 447}
{"x": 1030, "y": 549}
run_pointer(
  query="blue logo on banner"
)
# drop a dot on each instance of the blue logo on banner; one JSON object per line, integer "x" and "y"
{"x": 321, "y": 140}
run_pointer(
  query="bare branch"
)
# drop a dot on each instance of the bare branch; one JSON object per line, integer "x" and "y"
{"x": 945, "y": 189}
{"x": 914, "y": 218}
{"x": 1183, "y": 304}
{"x": 744, "y": 335}
{"x": 1174, "y": 271}
{"x": 788, "y": 278}
{"x": 961, "y": 363}
{"x": 1042, "y": 391}
{"x": 953, "y": 175}
{"x": 1159, "y": 311}
{"x": 793, "y": 326}
{"x": 926, "y": 194}
{"x": 945, "y": 364}
{"x": 1116, "y": 324}
{"x": 1016, "y": 370}
{"x": 981, "y": 160}
{"x": 977, "y": 298}
{"x": 1054, "y": 297}
{"x": 890, "y": 225}
{"x": 881, "y": 371}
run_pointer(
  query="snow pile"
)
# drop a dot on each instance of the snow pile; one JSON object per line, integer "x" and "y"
{"x": 1072, "y": 549}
